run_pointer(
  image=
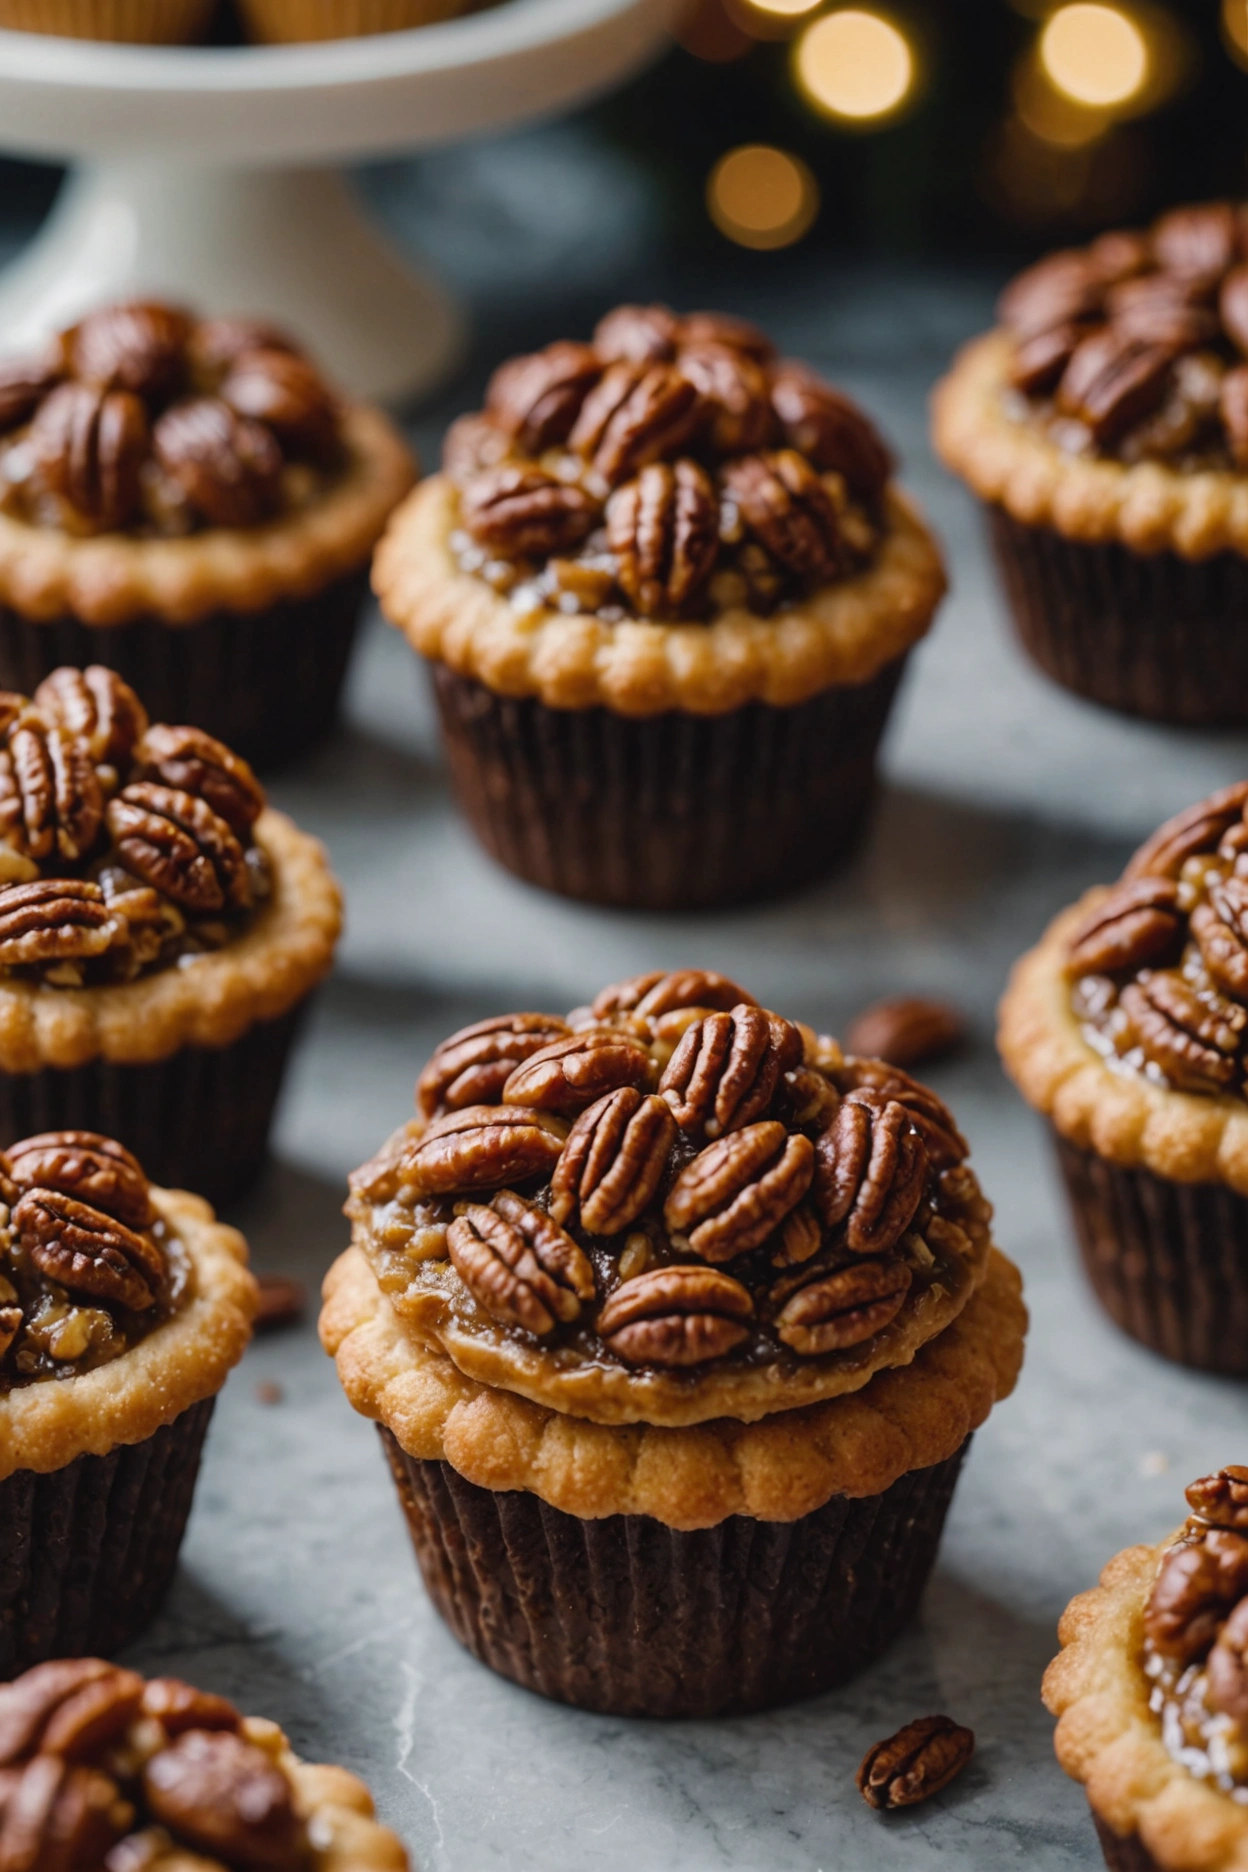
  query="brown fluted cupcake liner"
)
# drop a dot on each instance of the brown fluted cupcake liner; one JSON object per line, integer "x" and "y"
{"x": 285, "y": 21}
{"x": 137, "y": 22}
{"x": 198, "y": 1120}
{"x": 1168, "y": 1261}
{"x": 629, "y": 1617}
{"x": 1147, "y": 634}
{"x": 673, "y": 811}
{"x": 87, "y": 1553}
{"x": 1123, "y": 1855}
{"x": 267, "y": 683}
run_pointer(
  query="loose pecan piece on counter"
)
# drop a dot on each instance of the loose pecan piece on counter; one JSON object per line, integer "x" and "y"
{"x": 536, "y": 399}
{"x": 1221, "y": 1499}
{"x": 1139, "y": 923}
{"x": 88, "y": 446}
{"x": 473, "y": 1065}
{"x": 1195, "y": 1038}
{"x": 87, "y": 1251}
{"x": 916, "y": 1763}
{"x": 140, "y": 347}
{"x": 831, "y": 431}
{"x": 285, "y": 392}
{"x": 828, "y": 1310}
{"x": 788, "y": 510}
{"x": 97, "y": 1170}
{"x": 518, "y": 1264}
{"x": 180, "y": 846}
{"x": 223, "y": 1795}
{"x": 51, "y": 799}
{"x": 905, "y": 1030}
{"x": 482, "y": 1147}
{"x": 663, "y": 528}
{"x": 1199, "y": 1584}
{"x": 613, "y": 1161}
{"x": 666, "y": 990}
{"x": 96, "y": 707}
{"x": 637, "y": 414}
{"x": 737, "y": 1192}
{"x": 225, "y": 466}
{"x": 573, "y": 1072}
{"x": 194, "y": 762}
{"x": 726, "y": 1067}
{"x": 676, "y": 1316}
{"x": 521, "y": 511}
{"x": 871, "y": 1168}
{"x": 55, "y": 920}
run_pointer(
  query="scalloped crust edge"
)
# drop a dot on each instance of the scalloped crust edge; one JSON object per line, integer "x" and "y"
{"x": 777, "y": 1470}
{"x": 114, "y": 578}
{"x": 843, "y": 634}
{"x": 1147, "y": 506}
{"x": 1186, "y": 1136}
{"x": 1108, "y": 1738}
{"x": 46, "y": 1425}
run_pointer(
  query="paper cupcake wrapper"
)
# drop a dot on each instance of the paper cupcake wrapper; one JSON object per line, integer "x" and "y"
{"x": 138, "y": 22}
{"x": 673, "y": 812}
{"x": 266, "y": 682}
{"x": 632, "y": 1618}
{"x": 1147, "y": 634}
{"x": 198, "y": 1120}
{"x": 289, "y": 20}
{"x": 1123, "y": 1855}
{"x": 87, "y": 1553}
{"x": 1168, "y": 1261}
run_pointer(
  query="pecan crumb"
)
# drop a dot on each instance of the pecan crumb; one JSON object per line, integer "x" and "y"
{"x": 906, "y": 1030}
{"x": 282, "y": 1301}
{"x": 917, "y": 1762}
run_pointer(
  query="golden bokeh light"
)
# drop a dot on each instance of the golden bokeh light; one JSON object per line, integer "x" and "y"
{"x": 783, "y": 9}
{"x": 855, "y": 65}
{"x": 1235, "y": 28}
{"x": 1052, "y": 115}
{"x": 762, "y": 197}
{"x": 1096, "y": 54}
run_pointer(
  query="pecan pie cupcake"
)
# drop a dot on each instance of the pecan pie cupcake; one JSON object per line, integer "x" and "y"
{"x": 1105, "y": 427}
{"x": 666, "y": 586}
{"x": 675, "y": 1323}
{"x": 1152, "y": 1691}
{"x": 161, "y": 930}
{"x": 102, "y": 1770}
{"x": 123, "y": 1308}
{"x": 188, "y": 502}
{"x": 1127, "y": 1027}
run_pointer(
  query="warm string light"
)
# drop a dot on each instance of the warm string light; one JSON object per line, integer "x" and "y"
{"x": 762, "y": 197}
{"x": 1235, "y": 28}
{"x": 1096, "y": 54}
{"x": 855, "y": 65}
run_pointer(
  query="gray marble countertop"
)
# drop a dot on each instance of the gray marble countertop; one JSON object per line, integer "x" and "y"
{"x": 298, "y": 1594}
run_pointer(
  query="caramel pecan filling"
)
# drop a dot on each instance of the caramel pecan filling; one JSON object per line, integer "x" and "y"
{"x": 124, "y": 846}
{"x": 670, "y": 1177}
{"x": 672, "y": 468}
{"x": 145, "y": 420}
{"x": 1160, "y": 968}
{"x": 102, "y": 1771}
{"x": 1134, "y": 347}
{"x": 1196, "y": 1634}
{"x": 87, "y": 1266}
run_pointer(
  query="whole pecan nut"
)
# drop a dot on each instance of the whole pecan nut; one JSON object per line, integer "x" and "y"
{"x": 916, "y": 1763}
{"x": 97, "y": 1170}
{"x": 676, "y": 1316}
{"x": 785, "y": 506}
{"x": 737, "y": 414}
{"x": 180, "y": 846}
{"x": 225, "y": 1796}
{"x": 726, "y": 1068}
{"x": 1113, "y": 379}
{"x": 535, "y": 400}
{"x": 194, "y": 762}
{"x": 1221, "y": 1499}
{"x": 473, "y": 1065}
{"x": 737, "y": 1191}
{"x": 179, "y": 1706}
{"x": 51, "y": 799}
{"x": 140, "y": 347}
{"x": 831, "y": 1310}
{"x": 95, "y": 706}
{"x": 289, "y": 396}
{"x": 24, "y": 382}
{"x": 1138, "y": 924}
{"x": 1198, "y": 1585}
{"x": 663, "y": 528}
{"x": 1199, "y": 828}
{"x": 1200, "y": 241}
{"x": 1220, "y": 927}
{"x": 55, "y": 920}
{"x": 904, "y": 1030}
{"x": 471, "y": 444}
{"x": 637, "y": 414}
{"x": 522, "y": 512}
{"x": 1040, "y": 359}
{"x": 518, "y": 1264}
{"x": 55, "y": 1816}
{"x": 66, "y": 1706}
{"x": 613, "y": 1161}
{"x": 1195, "y": 1038}
{"x": 871, "y": 1168}
{"x": 87, "y": 1251}
{"x": 930, "y": 1116}
{"x": 576, "y": 1070}
{"x": 637, "y": 334}
{"x": 227, "y": 467}
{"x": 831, "y": 431}
{"x": 721, "y": 328}
{"x": 89, "y": 446}
{"x": 217, "y": 343}
{"x": 482, "y": 1147}
{"x": 666, "y": 990}
{"x": 1228, "y": 1667}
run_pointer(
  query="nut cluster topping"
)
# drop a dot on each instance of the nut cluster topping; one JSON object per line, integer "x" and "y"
{"x": 124, "y": 845}
{"x": 672, "y": 468}
{"x": 1159, "y": 967}
{"x": 1137, "y": 346}
{"x": 669, "y": 1177}
{"x": 1196, "y": 1632}
{"x": 143, "y": 419}
{"x": 87, "y": 1267}
{"x": 102, "y": 1769}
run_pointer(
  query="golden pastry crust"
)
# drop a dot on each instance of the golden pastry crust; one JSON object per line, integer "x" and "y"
{"x": 1186, "y": 1136}
{"x": 777, "y": 1470}
{"x": 114, "y": 578}
{"x": 1148, "y": 506}
{"x": 1110, "y": 1740}
{"x": 843, "y": 634}
{"x": 44, "y": 1426}
{"x": 259, "y": 976}
{"x": 343, "y": 1828}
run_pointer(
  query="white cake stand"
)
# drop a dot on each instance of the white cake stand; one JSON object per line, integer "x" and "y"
{"x": 204, "y": 172}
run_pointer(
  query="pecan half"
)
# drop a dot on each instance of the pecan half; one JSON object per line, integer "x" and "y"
{"x": 737, "y": 414}
{"x": 666, "y": 990}
{"x": 1061, "y": 287}
{"x": 1220, "y": 927}
{"x": 225, "y": 1796}
{"x": 1198, "y": 1585}
{"x": 179, "y": 1706}
{"x": 225, "y": 466}
{"x": 1233, "y": 412}
{"x": 725, "y": 1070}
{"x": 95, "y": 706}
{"x": 1199, "y": 828}
{"x": 523, "y": 512}
{"x": 89, "y": 446}
{"x": 194, "y": 762}
{"x": 904, "y": 1030}
{"x": 737, "y": 1192}
{"x": 929, "y": 1115}
{"x": 1163, "y": 309}
{"x": 842, "y": 1307}
{"x": 473, "y": 442}
{"x": 1140, "y": 922}
{"x": 140, "y": 346}
{"x": 635, "y": 415}
{"x": 51, "y": 800}
{"x": 1195, "y": 1038}
{"x": 871, "y": 1169}
{"x": 785, "y": 506}
{"x": 482, "y": 1147}
{"x": 55, "y": 1817}
{"x": 288, "y": 395}
{"x": 830, "y": 430}
{"x": 1233, "y": 307}
{"x": 1114, "y": 379}
{"x": 87, "y": 1251}
{"x": 473, "y": 1065}
{"x": 676, "y": 1316}
{"x": 638, "y": 334}
{"x": 573, "y": 1072}
{"x": 536, "y": 399}
{"x": 613, "y": 1161}
{"x": 67, "y": 1706}
{"x": 1201, "y": 241}
{"x": 721, "y": 328}
{"x": 24, "y": 382}
{"x": 1228, "y": 1667}
{"x": 1222, "y": 1499}
{"x": 519, "y": 1264}
{"x": 95, "y": 1169}
{"x": 178, "y": 845}
{"x": 914, "y": 1764}
{"x": 55, "y": 920}
{"x": 217, "y": 343}
{"x": 1040, "y": 359}
{"x": 663, "y": 528}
